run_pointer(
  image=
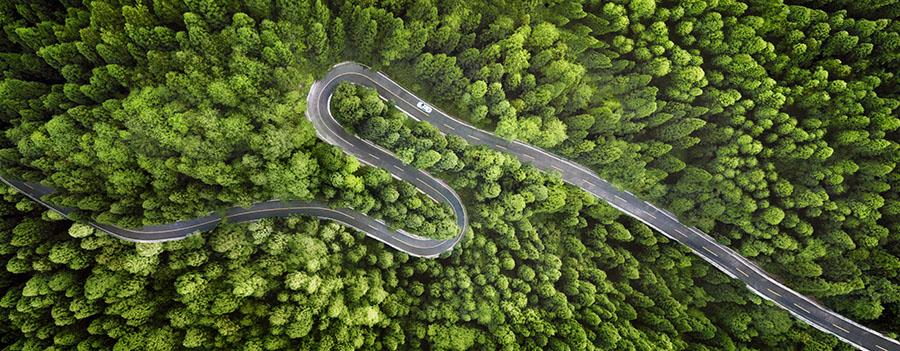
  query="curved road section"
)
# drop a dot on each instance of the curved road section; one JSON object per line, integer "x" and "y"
{"x": 319, "y": 112}
{"x": 377, "y": 229}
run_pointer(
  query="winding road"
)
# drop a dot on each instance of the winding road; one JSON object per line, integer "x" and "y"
{"x": 327, "y": 128}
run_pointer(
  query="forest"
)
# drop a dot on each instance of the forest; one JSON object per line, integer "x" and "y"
{"x": 772, "y": 125}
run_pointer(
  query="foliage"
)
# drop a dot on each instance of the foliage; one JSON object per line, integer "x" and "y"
{"x": 771, "y": 126}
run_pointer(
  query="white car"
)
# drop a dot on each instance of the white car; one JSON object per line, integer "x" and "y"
{"x": 424, "y": 107}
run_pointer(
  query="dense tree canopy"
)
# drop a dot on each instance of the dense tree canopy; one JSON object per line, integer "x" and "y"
{"x": 772, "y": 126}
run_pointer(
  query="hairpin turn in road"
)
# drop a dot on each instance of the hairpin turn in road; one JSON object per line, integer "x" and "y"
{"x": 327, "y": 128}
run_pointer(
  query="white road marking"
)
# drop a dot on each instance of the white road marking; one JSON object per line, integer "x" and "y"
{"x": 742, "y": 271}
{"x": 650, "y": 214}
{"x": 375, "y": 156}
{"x": 408, "y": 114}
{"x": 666, "y": 213}
{"x": 556, "y": 168}
{"x": 841, "y": 328}
{"x": 773, "y": 292}
{"x": 881, "y": 348}
{"x": 528, "y": 156}
{"x": 710, "y": 251}
{"x": 501, "y": 147}
{"x": 619, "y": 198}
{"x": 474, "y": 137}
{"x": 801, "y": 307}
{"x": 449, "y": 126}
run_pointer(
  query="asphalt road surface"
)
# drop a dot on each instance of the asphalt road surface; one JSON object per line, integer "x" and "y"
{"x": 397, "y": 239}
{"x": 319, "y": 112}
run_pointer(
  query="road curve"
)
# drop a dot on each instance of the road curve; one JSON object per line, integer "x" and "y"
{"x": 319, "y": 112}
{"x": 720, "y": 256}
{"x": 374, "y": 228}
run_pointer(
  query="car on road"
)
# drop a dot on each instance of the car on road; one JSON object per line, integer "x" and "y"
{"x": 424, "y": 107}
